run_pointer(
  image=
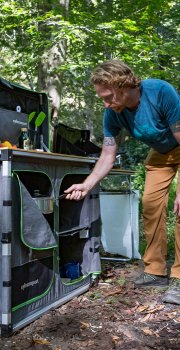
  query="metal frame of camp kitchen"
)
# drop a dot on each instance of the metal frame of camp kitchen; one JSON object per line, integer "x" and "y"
{"x": 8, "y": 159}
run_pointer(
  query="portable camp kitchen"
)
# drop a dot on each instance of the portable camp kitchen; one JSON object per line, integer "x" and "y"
{"x": 36, "y": 246}
{"x": 49, "y": 247}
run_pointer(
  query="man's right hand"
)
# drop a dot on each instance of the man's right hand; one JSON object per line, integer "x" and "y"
{"x": 76, "y": 192}
{"x": 101, "y": 169}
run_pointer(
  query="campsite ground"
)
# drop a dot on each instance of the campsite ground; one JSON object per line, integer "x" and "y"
{"x": 111, "y": 315}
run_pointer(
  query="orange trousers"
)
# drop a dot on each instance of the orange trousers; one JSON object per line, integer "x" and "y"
{"x": 160, "y": 171}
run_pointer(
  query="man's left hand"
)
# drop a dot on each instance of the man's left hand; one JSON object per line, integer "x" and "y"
{"x": 177, "y": 205}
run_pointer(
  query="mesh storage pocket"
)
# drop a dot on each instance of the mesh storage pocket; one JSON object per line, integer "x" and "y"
{"x": 79, "y": 230}
{"x": 36, "y": 229}
{"x": 73, "y": 215}
{"x": 71, "y": 253}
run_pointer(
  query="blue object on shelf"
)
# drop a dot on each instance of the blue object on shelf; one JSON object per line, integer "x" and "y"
{"x": 72, "y": 270}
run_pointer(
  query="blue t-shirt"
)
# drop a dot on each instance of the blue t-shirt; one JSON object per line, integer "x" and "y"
{"x": 150, "y": 123}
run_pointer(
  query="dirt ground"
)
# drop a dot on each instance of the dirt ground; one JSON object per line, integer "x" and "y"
{"x": 111, "y": 315}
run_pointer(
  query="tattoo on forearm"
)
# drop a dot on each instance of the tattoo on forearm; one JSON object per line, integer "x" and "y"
{"x": 175, "y": 127}
{"x": 109, "y": 141}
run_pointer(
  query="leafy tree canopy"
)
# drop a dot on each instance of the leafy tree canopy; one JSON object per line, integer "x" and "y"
{"x": 144, "y": 34}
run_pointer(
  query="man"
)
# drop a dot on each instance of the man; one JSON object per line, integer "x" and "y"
{"x": 150, "y": 111}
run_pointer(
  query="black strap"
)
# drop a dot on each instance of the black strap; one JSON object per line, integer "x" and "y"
{"x": 7, "y": 283}
{"x": 6, "y": 237}
{"x": 7, "y": 203}
{"x": 94, "y": 250}
{"x": 94, "y": 196}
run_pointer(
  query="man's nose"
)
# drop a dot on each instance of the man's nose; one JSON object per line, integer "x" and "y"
{"x": 107, "y": 104}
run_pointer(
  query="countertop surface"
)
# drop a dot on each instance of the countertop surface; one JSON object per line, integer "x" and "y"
{"x": 16, "y": 153}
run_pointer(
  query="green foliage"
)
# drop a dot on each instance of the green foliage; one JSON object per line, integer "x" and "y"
{"x": 143, "y": 33}
{"x": 172, "y": 195}
{"x": 171, "y": 220}
{"x": 135, "y": 152}
{"x": 116, "y": 183}
{"x": 138, "y": 181}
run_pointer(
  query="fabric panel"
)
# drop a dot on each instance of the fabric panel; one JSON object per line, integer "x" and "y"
{"x": 36, "y": 233}
{"x": 31, "y": 280}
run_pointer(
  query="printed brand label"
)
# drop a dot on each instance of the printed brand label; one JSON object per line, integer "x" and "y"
{"x": 16, "y": 121}
{"x": 29, "y": 284}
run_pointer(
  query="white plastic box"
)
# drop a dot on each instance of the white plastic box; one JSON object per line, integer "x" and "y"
{"x": 120, "y": 223}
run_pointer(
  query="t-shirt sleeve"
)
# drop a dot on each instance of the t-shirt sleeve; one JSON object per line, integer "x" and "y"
{"x": 110, "y": 127}
{"x": 170, "y": 104}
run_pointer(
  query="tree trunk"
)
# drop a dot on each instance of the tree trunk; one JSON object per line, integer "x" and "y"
{"x": 49, "y": 77}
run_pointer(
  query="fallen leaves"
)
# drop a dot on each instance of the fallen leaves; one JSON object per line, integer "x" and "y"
{"x": 115, "y": 340}
{"x": 148, "y": 309}
{"x": 118, "y": 291}
{"x": 38, "y": 340}
{"x": 148, "y": 331}
{"x": 92, "y": 327}
{"x": 84, "y": 325}
{"x": 142, "y": 308}
{"x": 108, "y": 316}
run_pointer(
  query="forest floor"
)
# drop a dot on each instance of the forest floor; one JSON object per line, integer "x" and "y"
{"x": 111, "y": 315}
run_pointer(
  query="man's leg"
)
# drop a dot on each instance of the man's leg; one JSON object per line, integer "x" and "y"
{"x": 172, "y": 295}
{"x": 158, "y": 179}
{"x": 175, "y": 269}
{"x": 155, "y": 198}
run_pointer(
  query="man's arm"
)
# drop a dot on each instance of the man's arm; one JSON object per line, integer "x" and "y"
{"x": 175, "y": 128}
{"x": 101, "y": 169}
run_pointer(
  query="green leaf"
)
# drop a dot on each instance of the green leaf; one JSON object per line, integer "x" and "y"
{"x": 40, "y": 118}
{"x": 31, "y": 116}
